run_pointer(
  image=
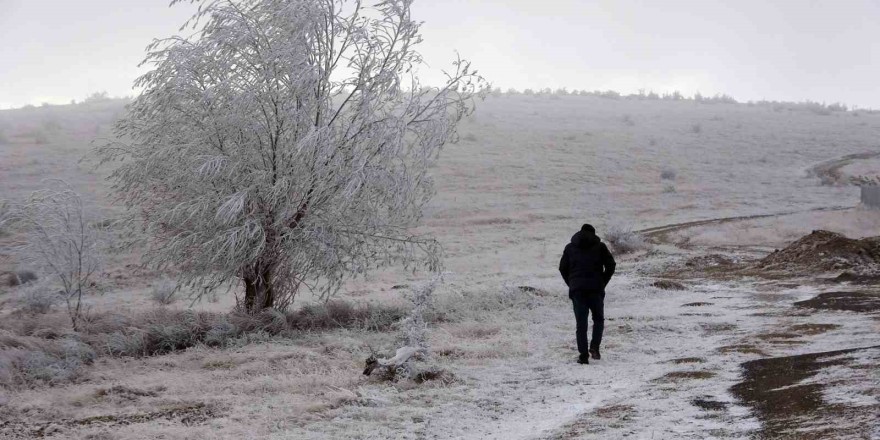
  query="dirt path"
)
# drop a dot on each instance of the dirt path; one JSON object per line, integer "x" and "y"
{"x": 829, "y": 172}
{"x": 660, "y": 234}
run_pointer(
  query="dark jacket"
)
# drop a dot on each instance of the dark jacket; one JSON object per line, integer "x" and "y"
{"x": 586, "y": 265}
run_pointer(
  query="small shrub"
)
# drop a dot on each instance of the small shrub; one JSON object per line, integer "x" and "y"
{"x": 696, "y": 128}
{"x": 37, "y": 299}
{"x": 61, "y": 242}
{"x": 624, "y": 241}
{"x": 628, "y": 120}
{"x": 669, "y": 188}
{"x": 122, "y": 344}
{"x": 164, "y": 292}
{"x": 414, "y": 328}
{"x": 470, "y": 137}
{"x": 668, "y": 174}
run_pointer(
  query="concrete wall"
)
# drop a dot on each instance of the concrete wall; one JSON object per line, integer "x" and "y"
{"x": 871, "y": 196}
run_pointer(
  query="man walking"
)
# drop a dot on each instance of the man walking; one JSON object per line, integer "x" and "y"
{"x": 587, "y": 266}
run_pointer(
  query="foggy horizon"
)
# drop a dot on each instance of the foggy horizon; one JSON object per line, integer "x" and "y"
{"x": 786, "y": 51}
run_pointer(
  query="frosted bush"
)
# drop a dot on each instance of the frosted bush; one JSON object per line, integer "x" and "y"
{"x": 61, "y": 241}
{"x": 414, "y": 328}
{"x": 624, "y": 241}
{"x": 164, "y": 292}
{"x": 122, "y": 344}
{"x": 37, "y": 299}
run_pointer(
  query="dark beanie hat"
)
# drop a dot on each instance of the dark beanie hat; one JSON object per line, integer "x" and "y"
{"x": 588, "y": 228}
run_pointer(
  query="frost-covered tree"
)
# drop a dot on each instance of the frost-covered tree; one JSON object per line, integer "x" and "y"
{"x": 61, "y": 240}
{"x": 287, "y": 145}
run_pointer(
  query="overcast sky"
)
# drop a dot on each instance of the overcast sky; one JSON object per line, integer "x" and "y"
{"x": 823, "y": 50}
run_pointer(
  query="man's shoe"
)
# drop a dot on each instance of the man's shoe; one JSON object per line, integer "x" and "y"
{"x": 595, "y": 353}
{"x": 584, "y": 359}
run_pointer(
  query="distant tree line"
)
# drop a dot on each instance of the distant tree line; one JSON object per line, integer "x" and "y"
{"x": 819, "y": 108}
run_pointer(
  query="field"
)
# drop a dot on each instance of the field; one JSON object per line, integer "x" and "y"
{"x": 731, "y": 351}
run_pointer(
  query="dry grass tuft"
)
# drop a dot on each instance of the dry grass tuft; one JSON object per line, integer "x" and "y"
{"x": 688, "y": 360}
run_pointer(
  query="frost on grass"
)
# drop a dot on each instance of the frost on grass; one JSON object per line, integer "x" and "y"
{"x": 30, "y": 361}
{"x": 42, "y": 349}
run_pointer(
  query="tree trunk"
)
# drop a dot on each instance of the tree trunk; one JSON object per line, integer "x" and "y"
{"x": 258, "y": 293}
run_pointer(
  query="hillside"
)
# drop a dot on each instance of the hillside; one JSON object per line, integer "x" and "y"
{"x": 722, "y": 183}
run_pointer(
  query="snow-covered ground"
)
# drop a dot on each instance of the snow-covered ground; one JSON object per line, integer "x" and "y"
{"x": 527, "y": 173}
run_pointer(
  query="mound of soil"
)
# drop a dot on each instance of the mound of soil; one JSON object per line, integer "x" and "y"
{"x": 825, "y": 251}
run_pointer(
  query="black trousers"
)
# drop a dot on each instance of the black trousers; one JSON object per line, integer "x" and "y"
{"x": 584, "y": 303}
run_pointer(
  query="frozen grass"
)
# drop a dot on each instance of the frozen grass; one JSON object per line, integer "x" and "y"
{"x": 162, "y": 331}
{"x": 30, "y": 361}
{"x": 38, "y": 350}
{"x": 512, "y": 350}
